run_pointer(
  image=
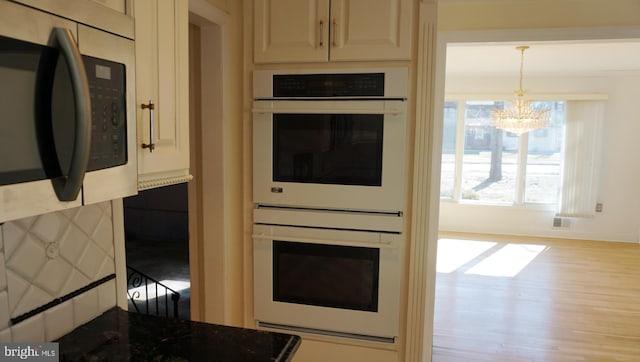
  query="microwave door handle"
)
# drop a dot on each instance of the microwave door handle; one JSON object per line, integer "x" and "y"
{"x": 67, "y": 188}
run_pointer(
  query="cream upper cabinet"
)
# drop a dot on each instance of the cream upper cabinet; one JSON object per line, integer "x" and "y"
{"x": 162, "y": 91}
{"x": 370, "y": 30}
{"x": 289, "y": 31}
{"x": 117, "y": 5}
{"x": 113, "y": 16}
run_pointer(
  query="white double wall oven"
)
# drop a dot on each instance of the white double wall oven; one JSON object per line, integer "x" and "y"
{"x": 328, "y": 189}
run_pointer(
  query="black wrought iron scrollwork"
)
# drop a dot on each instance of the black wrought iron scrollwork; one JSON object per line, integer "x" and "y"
{"x": 137, "y": 282}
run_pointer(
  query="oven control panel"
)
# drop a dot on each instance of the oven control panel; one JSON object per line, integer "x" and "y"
{"x": 329, "y": 85}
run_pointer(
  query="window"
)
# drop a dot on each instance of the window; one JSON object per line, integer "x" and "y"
{"x": 483, "y": 164}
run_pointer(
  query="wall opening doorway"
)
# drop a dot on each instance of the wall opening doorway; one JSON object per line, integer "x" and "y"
{"x": 198, "y": 210}
{"x": 157, "y": 249}
{"x": 207, "y": 229}
{"x": 470, "y": 258}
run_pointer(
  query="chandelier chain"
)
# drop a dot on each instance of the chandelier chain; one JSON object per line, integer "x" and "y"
{"x": 520, "y": 91}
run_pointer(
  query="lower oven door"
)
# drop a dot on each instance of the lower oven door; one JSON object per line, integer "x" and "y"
{"x": 332, "y": 282}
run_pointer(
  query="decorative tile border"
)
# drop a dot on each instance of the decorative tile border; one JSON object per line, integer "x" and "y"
{"x": 61, "y": 300}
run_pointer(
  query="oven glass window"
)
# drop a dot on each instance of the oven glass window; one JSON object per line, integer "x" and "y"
{"x": 342, "y": 149}
{"x": 334, "y": 276}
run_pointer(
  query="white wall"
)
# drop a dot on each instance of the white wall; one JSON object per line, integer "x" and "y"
{"x": 620, "y": 182}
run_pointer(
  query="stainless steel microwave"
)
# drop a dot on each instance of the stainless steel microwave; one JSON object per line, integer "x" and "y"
{"x": 67, "y": 129}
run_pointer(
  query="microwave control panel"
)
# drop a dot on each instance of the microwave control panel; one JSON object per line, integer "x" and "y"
{"x": 108, "y": 113}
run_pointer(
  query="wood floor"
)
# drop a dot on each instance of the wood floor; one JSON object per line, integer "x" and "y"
{"x": 531, "y": 299}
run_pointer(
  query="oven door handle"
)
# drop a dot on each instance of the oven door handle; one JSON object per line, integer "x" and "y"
{"x": 361, "y": 244}
{"x": 392, "y": 107}
{"x": 391, "y": 111}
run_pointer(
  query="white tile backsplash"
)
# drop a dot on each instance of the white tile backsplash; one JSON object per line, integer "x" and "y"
{"x": 91, "y": 261}
{"x": 32, "y": 298}
{"x": 72, "y": 244}
{"x": 103, "y": 235}
{"x": 3, "y": 273}
{"x": 27, "y": 259}
{"x": 4, "y": 309}
{"x": 26, "y": 223}
{"x": 59, "y": 320}
{"x": 12, "y": 236}
{"x": 53, "y": 275}
{"x": 30, "y": 330}
{"x": 88, "y": 218}
{"x": 86, "y": 307}
{"x": 5, "y": 335}
{"x": 76, "y": 278}
{"x": 19, "y": 287}
{"x": 107, "y": 296}
{"x": 49, "y": 256}
{"x": 48, "y": 227}
{"x": 107, "y": 268}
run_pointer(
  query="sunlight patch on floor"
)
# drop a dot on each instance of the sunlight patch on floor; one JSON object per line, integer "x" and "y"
{"x": 508, "y": 261}
{"x": 150, "y": 292}
{"x": 454, "y": 253}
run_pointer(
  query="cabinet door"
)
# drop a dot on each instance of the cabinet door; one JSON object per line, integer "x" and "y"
{"x": 117, "y": 5}
{"x": 370, "y": 29}
{"x": 162, "y": 46}
{"x": 110, "y": 15}
{"x": 291, "y": 31}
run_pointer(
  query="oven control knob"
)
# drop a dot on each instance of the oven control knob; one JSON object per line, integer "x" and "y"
{"x": 276, "y": 190}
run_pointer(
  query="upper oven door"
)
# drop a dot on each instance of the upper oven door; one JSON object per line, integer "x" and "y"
{"x": 346, "y": 155}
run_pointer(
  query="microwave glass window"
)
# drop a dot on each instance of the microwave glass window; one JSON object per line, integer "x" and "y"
{"x": 341, "y": 149}
{"x": 27, "y": 72}
{"x": 333, "y": 276}
{"x": 18, "y": 73}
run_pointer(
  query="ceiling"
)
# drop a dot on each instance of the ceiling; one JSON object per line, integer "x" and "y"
{"x": 544, "y": 58}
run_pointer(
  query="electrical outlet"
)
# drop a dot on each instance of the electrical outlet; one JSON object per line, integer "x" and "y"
{"x": 599, "y": 207}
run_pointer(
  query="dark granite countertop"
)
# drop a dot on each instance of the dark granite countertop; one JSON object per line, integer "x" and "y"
{"x": 118, "y": 335}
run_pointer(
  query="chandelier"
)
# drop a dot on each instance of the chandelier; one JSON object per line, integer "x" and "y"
{"x": 520, "y": 117}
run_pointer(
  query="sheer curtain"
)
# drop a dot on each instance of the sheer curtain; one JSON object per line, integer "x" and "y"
{"x": 582, "y": 157}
